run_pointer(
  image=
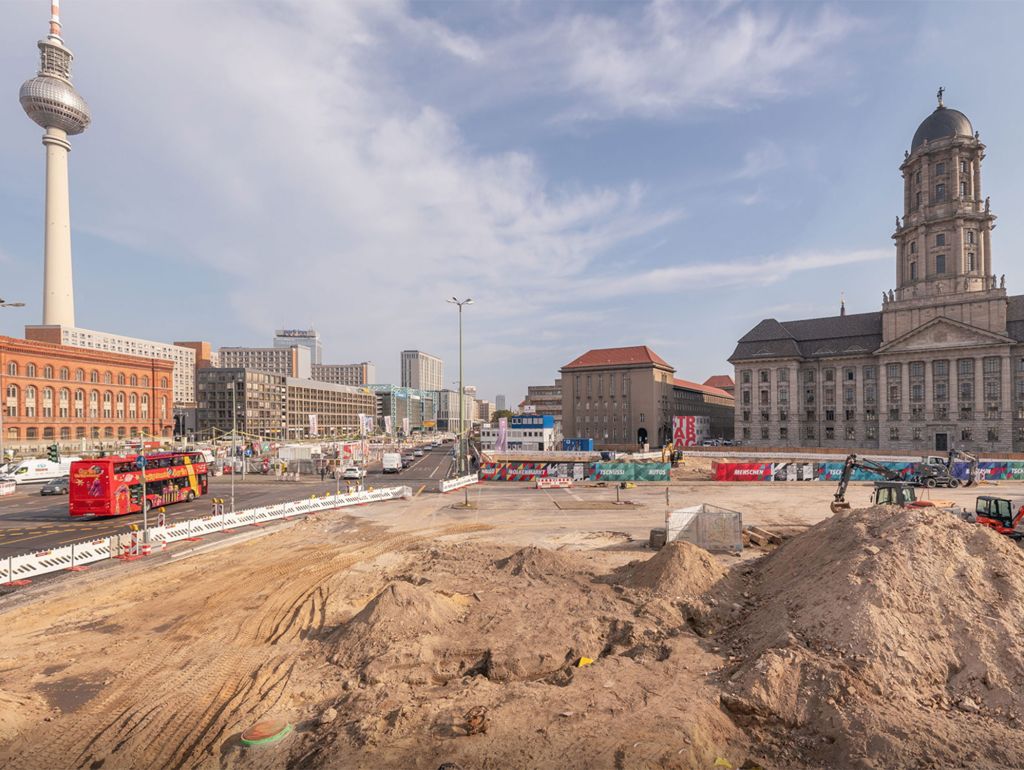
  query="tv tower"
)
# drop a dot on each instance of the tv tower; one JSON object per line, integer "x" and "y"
{"x": 52, "y": 102}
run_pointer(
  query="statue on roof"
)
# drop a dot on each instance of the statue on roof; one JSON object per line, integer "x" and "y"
{"x": 939, "y": 94}
{"x": 987, "y": 203}
{"x": 1002, "y": 281}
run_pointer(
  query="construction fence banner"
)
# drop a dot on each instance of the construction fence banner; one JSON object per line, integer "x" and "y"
{"x": 1004, "y": 470}
{"x": 722, "y": 471}
{"x": 615, "y": 472}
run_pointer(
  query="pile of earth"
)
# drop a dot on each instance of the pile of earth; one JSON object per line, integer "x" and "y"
{"x": 569, "y": 669}
{"x": 881, "y": 638}
{"x": 680, "y": 569}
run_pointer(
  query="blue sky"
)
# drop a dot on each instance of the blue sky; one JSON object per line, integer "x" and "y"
{"x": 592, "y": 174}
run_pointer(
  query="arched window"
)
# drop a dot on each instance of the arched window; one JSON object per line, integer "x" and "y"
{"x": 133, "y": 380}
{"x": 30, "y": 401}
{"x": 120, "y": 406}
{"x": 12, "y": 401}
{"x": 134, "y": 432}
{"x": 163, "y": 382}
{"x": 31, "y": 433}
{"x": 13, "y": 434}
{"x": 80, "y": 377}
{"x": 133, "y": 401}
{"x": 64, "y": 403}
{"x": 145, "y": 406}
{"x": 30, "y": 370}
{"x": 108, "y": 433}
{"x": 95, "y": 432}
{"x": 108, "y": 400}
{"x": 79, "y": 432}
{"x": 163, "y": 407}
{"x": 47, "y": 402}
{"x": 48, "y": 433}
{"x": 12, "y": 369}
{"x": 48, "y": 375}
{"x": 120, "y": 432}
{"x": 94, "y": 405}
{"x": 65, "y": 373}
{"x": 145, "y": 380}
{"x": 80, "y": 405}
{"x": 108, "y": 378}
{"x": 94, "y": 376}
{"x": 65, "y": 433}
{"x": 120, "y": 378}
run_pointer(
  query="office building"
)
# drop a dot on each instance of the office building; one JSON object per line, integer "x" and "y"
{"x": 525, "y": 433}
{"x": 292, "y": 361}
{"x": 419, "y": 407}
{"x": 363, "y": 373}
{"x": 422, "y": 371}
{"x": 500, "y": 402}
{"x": 308, "y": 338}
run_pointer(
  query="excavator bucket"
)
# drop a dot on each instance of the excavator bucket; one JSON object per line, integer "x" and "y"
{"x": 838, "y": 507}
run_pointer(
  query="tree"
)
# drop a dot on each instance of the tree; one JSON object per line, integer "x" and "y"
{"x": 501, "y": 413}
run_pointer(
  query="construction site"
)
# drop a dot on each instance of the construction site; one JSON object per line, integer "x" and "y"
{"x": 506, "y": 626}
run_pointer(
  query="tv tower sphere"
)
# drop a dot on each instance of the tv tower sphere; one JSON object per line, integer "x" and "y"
{"x": 52, "y": 102}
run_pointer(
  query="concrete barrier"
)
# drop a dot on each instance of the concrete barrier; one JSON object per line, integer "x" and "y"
{"x": 449, "y": 485}
{"x": 554, "y": 482}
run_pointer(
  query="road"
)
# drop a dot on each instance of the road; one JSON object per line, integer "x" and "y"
{"x": 31, "y": 522}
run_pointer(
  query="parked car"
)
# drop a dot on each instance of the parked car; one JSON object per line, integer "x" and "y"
{"x": 418, "y": 453}
{"x": 57, "y": 486}
{"x": 353, "y": 472}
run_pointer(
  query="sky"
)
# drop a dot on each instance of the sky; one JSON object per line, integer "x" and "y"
{"x": 591, "y": 174}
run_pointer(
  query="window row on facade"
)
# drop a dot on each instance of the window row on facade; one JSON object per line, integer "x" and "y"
{"x": 65, "y": 433}
{"x": 31, "y": 401}
{"x": 870, "y": 433}
{"x": 64, "y": 373}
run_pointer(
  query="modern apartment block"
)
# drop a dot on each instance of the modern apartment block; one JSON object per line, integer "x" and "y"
{"x": 307, "y": 338}
{"x": 183, "y": 358}
{"x": 292, "y": 361}
{"x": 364, "y": 373}
{"x": 422, "y": 371}
{"x": 448, "y": 410}
{"x": 276, "y": 406}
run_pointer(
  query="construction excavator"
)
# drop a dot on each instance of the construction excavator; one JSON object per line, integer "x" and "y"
{"x": 937, "y": 471}
{"x": 894, "y": 490}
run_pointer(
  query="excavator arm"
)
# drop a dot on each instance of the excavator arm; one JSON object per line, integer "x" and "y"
{"x": 853, "y": 463}
{"x": 972, "y": 465}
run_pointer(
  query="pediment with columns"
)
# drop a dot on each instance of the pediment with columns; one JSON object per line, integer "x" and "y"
{"x": 941, "y": 333}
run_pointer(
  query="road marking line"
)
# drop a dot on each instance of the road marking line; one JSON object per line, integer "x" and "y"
{"x": 422, "y": 487}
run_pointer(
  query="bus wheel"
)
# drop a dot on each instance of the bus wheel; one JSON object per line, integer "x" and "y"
{"x": 190, "y": 496}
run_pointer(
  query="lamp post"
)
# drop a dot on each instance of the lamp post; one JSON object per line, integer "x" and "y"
{"x": 3, "y": 405}
{"x": 234, "y": 439}
{"x": 462, "y": 392}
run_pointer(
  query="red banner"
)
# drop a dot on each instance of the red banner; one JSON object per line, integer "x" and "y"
{"x": 741, "y": 471}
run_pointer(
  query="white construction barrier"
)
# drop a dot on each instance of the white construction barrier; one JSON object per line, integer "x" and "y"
{"x": 553, "y": 482}
{"x": 129, "y": 544}
{"x": 707, "y": 526}
{"x": 449, "y": 485}
{"x": 8, "y": 488}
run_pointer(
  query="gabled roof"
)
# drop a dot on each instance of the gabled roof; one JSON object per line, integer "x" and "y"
{"x": 711, "y": 391}
{"x": 812, "y": 337}
{"x": 720, "y": 381}
{"x": 639, "y": 354}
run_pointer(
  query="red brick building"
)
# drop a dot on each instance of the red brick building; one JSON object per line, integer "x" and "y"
{"x": 57, "y": 393}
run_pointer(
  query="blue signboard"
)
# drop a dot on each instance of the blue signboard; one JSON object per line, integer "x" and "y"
{"x": 140, "y": 462}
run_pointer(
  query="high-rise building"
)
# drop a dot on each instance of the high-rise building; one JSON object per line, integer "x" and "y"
{"x": 309, "y": 338}
{"x": 52, "y": 102}
{"x": 184, "y": 358}
{"x": 292, "y": 361}
{"x": 499, "y": 402}
{"x": 941, "y": 366}
{"x": 422, "y": 371}
{"x": 364, "y": 373}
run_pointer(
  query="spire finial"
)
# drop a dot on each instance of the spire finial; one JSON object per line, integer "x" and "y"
{"x": 938, "y": 95}
{"x": 842, "y": 303}
{"x": 55, "y": 25}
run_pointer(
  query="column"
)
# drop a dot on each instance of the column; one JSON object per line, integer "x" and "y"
{"x": 976, "y": 168}
{"x": 956, "y": 174}
{"x": 58, "y": 292}
{"x": 958, "y": 248}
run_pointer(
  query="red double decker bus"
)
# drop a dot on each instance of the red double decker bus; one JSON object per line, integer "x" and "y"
{"x": 112, "y": 486}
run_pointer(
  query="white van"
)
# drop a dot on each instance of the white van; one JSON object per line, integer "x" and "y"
{"x": 392, "y": 462}
{"x": 39, "y": 470}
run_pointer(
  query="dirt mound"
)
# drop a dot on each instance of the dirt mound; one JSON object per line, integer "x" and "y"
{"x": 678, "y": 569}
{"x": 17, "y": 711}
{"x": 892, "y": 637}
{"x": 540, "y": 564}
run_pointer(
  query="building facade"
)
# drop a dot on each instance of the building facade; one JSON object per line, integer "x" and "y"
{"x": 544, "y": 399}
{"x": 292, "y": 361}
{"x": 307, "y": 338}
{"x": 183, "y": 359}
{"x": 525, "y": 433}
{"x": 625, "y": 398}
{"x": 422, "y": 371}
{"x": 276, "y": 406}
{"x": 364, "y": 373}
{"x": 940, "y": 366}
{"x": 448, "y": 410}
{"x": 500, "y": 402}
{"x": 401, "y": 404}
{"x": 59, "y": 393}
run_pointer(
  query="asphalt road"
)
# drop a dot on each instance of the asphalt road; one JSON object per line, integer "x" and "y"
{"x": 31, "y": 522}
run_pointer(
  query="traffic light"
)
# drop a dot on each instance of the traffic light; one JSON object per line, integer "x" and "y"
{"x": 53, "y": 453}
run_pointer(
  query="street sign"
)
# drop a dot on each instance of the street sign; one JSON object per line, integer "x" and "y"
{"x": 140, "y": 462}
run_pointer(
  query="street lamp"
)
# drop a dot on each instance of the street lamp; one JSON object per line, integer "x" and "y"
{"x": 462, "y": 392}
{"x": 3, "y": 403}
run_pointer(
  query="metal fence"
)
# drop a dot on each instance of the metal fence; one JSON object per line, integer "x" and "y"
{"x": 708, "y": 526}
{"x": 29, "y": 565}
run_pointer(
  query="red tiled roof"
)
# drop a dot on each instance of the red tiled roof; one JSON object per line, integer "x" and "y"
{"x": 638, "y": 354}
{"x": 701, "y": 388}
{"x": 720, "y": 381}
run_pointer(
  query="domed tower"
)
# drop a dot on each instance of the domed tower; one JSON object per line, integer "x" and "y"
{"x": 943, "y": 244}
{"x": 52, "y": 102}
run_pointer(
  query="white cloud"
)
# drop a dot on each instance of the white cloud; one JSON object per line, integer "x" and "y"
{"x": 700, "y": 276}
{"x": 764, "y": 157}
{"x": 672, "y": 56}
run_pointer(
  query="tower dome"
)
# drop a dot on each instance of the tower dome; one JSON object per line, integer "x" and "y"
{"x": 52, "y": 101}
{"x": 942, "y": 124}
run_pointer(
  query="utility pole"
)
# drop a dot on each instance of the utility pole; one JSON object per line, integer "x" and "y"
{"x": 462, "y": 393}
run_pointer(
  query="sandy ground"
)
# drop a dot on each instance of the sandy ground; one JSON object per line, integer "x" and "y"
{"x": 380, "y": 635}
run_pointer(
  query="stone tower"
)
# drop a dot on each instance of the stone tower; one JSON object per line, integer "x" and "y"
{"x": 52, "y": 102}
{"x": 943, "y": 245}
